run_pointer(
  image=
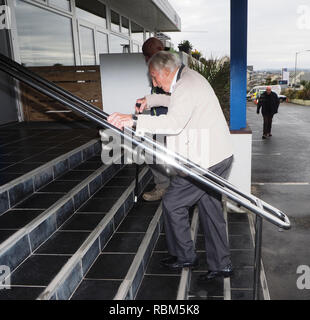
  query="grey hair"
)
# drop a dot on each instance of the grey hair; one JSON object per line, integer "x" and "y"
{"x": 164, "y": 60}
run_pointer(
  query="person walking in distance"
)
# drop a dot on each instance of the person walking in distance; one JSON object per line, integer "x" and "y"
{"x": 269, "y": 102}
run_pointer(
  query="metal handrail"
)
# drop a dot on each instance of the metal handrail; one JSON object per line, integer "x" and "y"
{"x": 174, "y": 160}
{"x": 171, "y": 158}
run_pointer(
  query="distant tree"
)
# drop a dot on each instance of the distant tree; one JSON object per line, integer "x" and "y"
{"x": 217, "y": 72}
{"x": 268, "y": 81}
{"x": 185, "y": 46}
{"x": 196, "y": 54}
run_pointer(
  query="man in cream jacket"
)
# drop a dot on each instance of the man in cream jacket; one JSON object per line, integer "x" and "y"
{"x": 195, "y": 128}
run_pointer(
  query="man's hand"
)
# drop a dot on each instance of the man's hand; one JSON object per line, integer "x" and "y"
{"x": 141, "y": 105}
{"x": 120, "y": 120}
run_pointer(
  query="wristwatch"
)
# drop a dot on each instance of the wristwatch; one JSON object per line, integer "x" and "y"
{"x": 134, "y": 118}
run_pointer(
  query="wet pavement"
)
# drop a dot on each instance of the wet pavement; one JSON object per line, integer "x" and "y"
{"x": 281, "y": 177}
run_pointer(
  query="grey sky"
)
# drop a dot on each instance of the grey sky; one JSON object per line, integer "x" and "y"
{"x": 277, "y": 29}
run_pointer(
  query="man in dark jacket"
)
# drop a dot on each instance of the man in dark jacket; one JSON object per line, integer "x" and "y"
{"x": 151, "y": 47}
{"x": 269, "y": 102}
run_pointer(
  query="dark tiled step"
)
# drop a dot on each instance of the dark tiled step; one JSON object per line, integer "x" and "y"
{"x": 82, "y": 222}
{"x": 63, "y": 243}
{"x": 59, "y": 187}
{"x": 156, "y": 287}
{"x": 205, "y": 289}
{"x": 39, "y": 201}
{"x": 53, "y": 210}
{"x": 20, "y": 293}
{"x": 135, "y": 224}
{"x": 124, "y": 242}
{"x": 16, "y": 219}
{"x": 38, "y": 270}
{"x": 107, "y": 266}
{"x": 110, "y": 266}
{"x": 96, "y": 290}
{"x": 34, "y": 174}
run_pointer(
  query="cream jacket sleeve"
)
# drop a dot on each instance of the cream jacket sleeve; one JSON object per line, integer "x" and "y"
{"x": 180, "y": 105}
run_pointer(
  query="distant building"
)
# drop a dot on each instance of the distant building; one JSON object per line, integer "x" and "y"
{"x": 305, "y": 76}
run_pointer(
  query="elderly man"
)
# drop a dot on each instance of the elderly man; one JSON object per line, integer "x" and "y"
{"x": 196, "y": 129}
{"x": 269, "y": 102}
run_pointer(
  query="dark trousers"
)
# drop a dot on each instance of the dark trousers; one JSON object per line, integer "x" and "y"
{"x": 267, "y": 123}
{"x": 179, "y": 197}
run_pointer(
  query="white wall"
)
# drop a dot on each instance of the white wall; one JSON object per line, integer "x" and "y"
{"x": 124, "y": 79}
{"x": 240, "y": 175}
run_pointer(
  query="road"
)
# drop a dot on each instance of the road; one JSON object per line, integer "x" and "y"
{"x": 281, "y": 177}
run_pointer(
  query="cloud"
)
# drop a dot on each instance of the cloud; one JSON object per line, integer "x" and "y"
{"x": 276, "y": 30}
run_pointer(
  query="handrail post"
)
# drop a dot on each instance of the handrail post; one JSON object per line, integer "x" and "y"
{"x": 137, "y": 184}
{"x": 257, "y": 256}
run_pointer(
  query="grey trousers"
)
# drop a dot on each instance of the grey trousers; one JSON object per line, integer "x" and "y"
{"x": 161, "y": 180}
{"x": 182, "y": 194}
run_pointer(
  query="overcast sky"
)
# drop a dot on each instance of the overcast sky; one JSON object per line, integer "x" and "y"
{"x": 277, "y": 29}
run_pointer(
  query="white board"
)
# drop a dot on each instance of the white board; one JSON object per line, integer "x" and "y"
{"x": 124, "y": 79}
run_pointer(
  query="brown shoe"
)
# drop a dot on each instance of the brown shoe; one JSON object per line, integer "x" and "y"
{"x": 154, "y": 195}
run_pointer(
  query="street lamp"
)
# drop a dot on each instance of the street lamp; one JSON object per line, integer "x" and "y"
{"x": 296, "y": 64}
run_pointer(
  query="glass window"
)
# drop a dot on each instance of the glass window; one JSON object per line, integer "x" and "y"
{"x": 87, "y": 46}
{"x": 102, "y": 42}
{"x": 62, "y": 4}
{"x": 45, "y": 38}
{"x": 93, "y": 11}
{"x": 118, "y": 44}
{"x": 115, "y": 21}
{"x": 137, "y": 32}
{"x": 125, "y": 25}
{"x": 135, "y": 48}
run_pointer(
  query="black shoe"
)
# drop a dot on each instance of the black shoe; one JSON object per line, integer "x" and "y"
{"x": 177, "y": 265}
{"x": 264, "y": 137}
{"x": 225, "y": 272}
{"x": 168, "y": 261}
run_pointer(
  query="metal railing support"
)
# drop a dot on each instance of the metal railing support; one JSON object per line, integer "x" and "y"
{"x": 257, "y": 256}
{"x": 257, "y": 252}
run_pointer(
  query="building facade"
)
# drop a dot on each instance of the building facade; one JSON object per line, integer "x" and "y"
{"x": 74, "y": 32}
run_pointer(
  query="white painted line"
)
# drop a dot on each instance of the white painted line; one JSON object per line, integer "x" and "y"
{"x": 281, "y": 183}
{"x": 266, "y": 154}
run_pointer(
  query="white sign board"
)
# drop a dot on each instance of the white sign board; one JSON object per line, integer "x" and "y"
{"x": 124, "y": 79}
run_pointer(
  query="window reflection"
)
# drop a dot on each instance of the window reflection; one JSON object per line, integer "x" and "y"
{"x": 135, "y": 48}
{"x": 118, "y": 44}
{"x": 93, "y": 11}
{"x": 62, "y": 4}
{"x": 125, "y": 25}
{"x": 137, "y": 32}
{"x": 45, "y": 38}
{"x": 115, "y": 21}
{"x": 87, "y": 46}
